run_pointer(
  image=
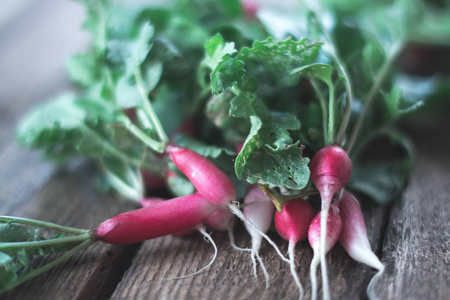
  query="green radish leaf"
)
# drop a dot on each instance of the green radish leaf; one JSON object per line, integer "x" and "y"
{"x": 83, "y": 69}
{"x": 180, "y": 185}
{"x": 7, "y": 272}
{"x": 279, "y": 58}
{"x": 215, "y": 50}
{"x": 202, "y": 149}
{"x": 269, "y": 155}
{"x": 381, "y": 166}
{"x": 228, "y": 73}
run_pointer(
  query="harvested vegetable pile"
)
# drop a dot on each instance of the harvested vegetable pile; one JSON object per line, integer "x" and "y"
{"x": 196, "y": 109}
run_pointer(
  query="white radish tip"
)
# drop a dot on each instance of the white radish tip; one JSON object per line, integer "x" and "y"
{"x": 172, "y": 148}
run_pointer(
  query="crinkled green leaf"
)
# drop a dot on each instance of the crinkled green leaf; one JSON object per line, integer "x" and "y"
{"x": 83, "y": 69}
{"x": 130, "y": 54}
{"x": 315, "y": 71}
{"x": 7, "y": 272}
{"x": 60, "y": 114}
{"x": 228, "y": 73}
{"x": 201, "y": 148}
{"x": 279, "y": 58}
{"x": 215, "y": 50}
{"x": 269, "y": 155}
{"x": 381, "y": 166}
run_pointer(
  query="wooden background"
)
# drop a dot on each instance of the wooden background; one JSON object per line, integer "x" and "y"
{"x": 412, "y": 236}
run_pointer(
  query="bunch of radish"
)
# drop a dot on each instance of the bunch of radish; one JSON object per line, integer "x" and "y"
{"x": 213, "y": 205}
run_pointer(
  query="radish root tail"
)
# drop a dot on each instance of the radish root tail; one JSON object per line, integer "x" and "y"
{"x": 208, "y": 237}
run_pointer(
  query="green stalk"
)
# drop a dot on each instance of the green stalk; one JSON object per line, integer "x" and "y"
{"x": 114, "y": 151}
{"x": 331, "y": 105}
{"x": 137, "y": 132}
{"x": 323, "y": 107}
{"x": 43, "y": 224}
{"x": 48, "y": 266}
{"x": 148, "y": 108}
{"x": 331, "y": 50}
{"x": 379, "y": 78}
{"x": 70, "y": 239}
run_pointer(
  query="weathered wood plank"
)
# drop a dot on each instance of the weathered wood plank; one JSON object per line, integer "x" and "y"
{"x": 416, "y": 249}
{"x": 33, "y": 48}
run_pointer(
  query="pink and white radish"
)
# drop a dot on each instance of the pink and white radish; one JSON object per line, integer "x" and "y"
{"x": 167, "y": 217}
{"x": 211, "y": 182}
{"x": 259, "y": 209}
{"x": 330, "y": 170}
{"x": 292, "y": 224}
{"x": 315, "y": 232}
{"x": 354, "y": 235}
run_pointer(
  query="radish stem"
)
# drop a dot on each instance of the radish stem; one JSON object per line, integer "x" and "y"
{"x": 43, "y": 224}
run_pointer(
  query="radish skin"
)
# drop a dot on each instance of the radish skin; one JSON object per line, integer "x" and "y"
{"x": 330, "y": 170}
{"x": 148, "y": 202}
{"x": 165, "y": 218}
{"x": 259, "y": 209}
{"x": 334, "y": 227}
{"x": 354, "y": 233}
{"x": 292, "y": 224}
{"x": 354, "y": 236}
{"x": 209, "y": 180}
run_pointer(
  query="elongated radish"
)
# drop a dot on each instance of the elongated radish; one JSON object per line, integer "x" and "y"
{"x": 354, "y": 235}
{"x": 211, "y": 182}
{"x": 330, "y": 170}
{"x": 292, "y": 224}
{"x": 259, "y": 209}
{"x": 334, "y": 226}
{"x": 165, "y": 218}
{"x": 208, "y": 179}
{"x": 149, "y": 202}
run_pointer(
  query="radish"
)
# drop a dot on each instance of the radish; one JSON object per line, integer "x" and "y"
{"x": 164, "y": 218}
{"x": 292, "y": 224}
{"x": 209, "y": 180}
{"x": 330, "y": 170}
{"x": 315, "y": 232}
{"x": 354, "y": 235}
{"x": 211, "y": 183}
{"x": 259, "y": 209}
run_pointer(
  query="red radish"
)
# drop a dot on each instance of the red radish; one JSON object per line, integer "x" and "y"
{"x": 220, "y": 220}
{"x": 330, "y": 170}
{"x": 209, "y": 180}
{"x": 334, "y": 226}
{"x": 292, "y": 224}
{"x": 165, "y": 218}
{"x": 149, "y": 202}
{"x": 259, "y": 209}
{"x": 354, "y": 235}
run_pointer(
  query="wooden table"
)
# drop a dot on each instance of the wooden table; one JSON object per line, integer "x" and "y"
{"x": 411, "y": 236}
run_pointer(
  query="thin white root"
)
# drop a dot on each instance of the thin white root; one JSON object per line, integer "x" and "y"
{"x": 233, "y": 244}
{"x": 266, "y": 274}
{"x": 323, "y": 262}
{"x": 293, "y": 271}
{"x": 371, "y": 283}
{"x": 313, "y": 275}
{"x": 234, "y": 209}
{"x": 206, "y": 235}
{"x": 253, "y": 257}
